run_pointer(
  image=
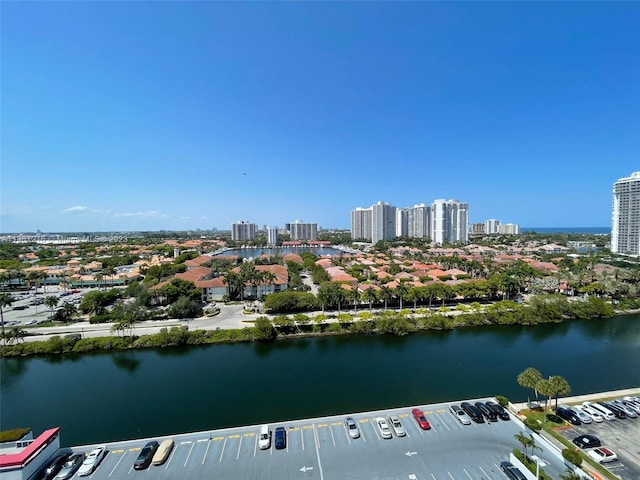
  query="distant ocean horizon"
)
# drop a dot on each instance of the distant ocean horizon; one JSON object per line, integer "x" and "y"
{"x": 592, "y": 230}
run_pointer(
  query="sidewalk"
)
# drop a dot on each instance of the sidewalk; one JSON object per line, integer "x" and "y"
{"x": 592, "y": 397}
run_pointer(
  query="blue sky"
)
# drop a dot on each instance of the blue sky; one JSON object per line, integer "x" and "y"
{"x": 177, "y": 115}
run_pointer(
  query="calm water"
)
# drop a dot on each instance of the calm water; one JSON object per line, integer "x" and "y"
{"x": 592, "y": 230}
{"x": 256, "y": 252}
{"x": 105, "y": 397}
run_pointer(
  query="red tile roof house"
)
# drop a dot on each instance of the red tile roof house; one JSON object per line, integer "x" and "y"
{"x": 279, "y": 284}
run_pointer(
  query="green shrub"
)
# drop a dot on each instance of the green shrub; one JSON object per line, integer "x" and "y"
{"x": 504, "y": 401}
{"x": 531, "y": 465}
{"x": 14, "y": 434}
{"x": 533, "y": 424}
{"x": 572, "y": 455}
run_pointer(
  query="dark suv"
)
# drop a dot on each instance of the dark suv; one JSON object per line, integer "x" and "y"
{"x": 487, "y": 412}
{"x": 511, "y": 471}
{"x": 568, "y": 415}
{"x": 500, "y": 411}
{"x": 472, "y": 411}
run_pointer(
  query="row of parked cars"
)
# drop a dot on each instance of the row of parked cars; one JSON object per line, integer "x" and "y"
{"x": 64, "y": 466}
{"x": 588, "y": 412}
{"x": 478, "y": 412}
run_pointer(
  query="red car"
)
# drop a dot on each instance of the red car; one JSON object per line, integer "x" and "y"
{"x": 420, "y": 418}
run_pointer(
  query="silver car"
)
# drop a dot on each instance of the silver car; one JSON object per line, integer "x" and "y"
{"x": 352, "y": 427}
{"x": 582, "y": 415}
{"x": 397, "y": 427}
{"x": 383, "y": 427}
{"x": 457, "y": 412}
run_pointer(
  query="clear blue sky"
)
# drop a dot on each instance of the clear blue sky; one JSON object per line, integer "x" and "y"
{"x": 148, "y": 115}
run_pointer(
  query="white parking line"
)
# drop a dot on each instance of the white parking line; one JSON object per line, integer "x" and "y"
{"x": 433, "y": 476}
{"x": 222, "y": 452}
{"x": 465, "y": 471}
{"x": 483, "y": 472}
{"x": 173, "y": 451}
{"x": 451, "y": 476}
{"x": 255, "y": 446}
{"x": 239, "y": 447}
{"x": 302, "y": 438}
{"x": 205, "y": 452}
{"x": 443, "y": 422}
{"x": 332, "y": 437}
{"x": 315, "y": 435}
{"x": 116, "y": 466}
{"x": 188, "y": 455}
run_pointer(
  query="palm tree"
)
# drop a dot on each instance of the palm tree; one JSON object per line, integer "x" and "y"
{"x": 559, "y": 386}
{"x": 525, "y": 440}
{"x": 401, "y": 291}
{"x": 41, "y": 277}
{"x": 269, "y": 277}
{"x": 234, "y": 284}
{"x": 369, "y": 296}
{"x": 546, "y": 388}
{"x": 385, "y": 294}
{"x": 5, "y": 301}
{"x": 51, "y": 302}
{"x": 5, "y": 278}
{"x": 68, "y": 311}
{"x": 530, "y": 379}
{"x": 98, "y": 277}
{"x": 570, "y": 475}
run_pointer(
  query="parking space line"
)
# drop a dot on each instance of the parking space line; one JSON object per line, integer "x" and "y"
{"x": 302, "y": 438}
{"x": 332, "y": 437}
{"x": 205, "y": 453}
{"x": 315, "y": 434}
{"x": 188, "y": 455}
{"x": 116, "y": 465}
{"x": 483, "y": 472}
{"x": 465, "y": 471}
{"x": 222, "y": 452}
{"x": 433, "y": 476}
{"x": 451, "y": 476}
{"x": 239, "y": 447}
{"x": 255, "y": 446}
{"x": 173, "y": 451}
{"x": 443, "y": 422}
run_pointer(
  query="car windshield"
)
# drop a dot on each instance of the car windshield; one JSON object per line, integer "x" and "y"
{"x": 352, "y": 426}
{"x": 264, "y": 436}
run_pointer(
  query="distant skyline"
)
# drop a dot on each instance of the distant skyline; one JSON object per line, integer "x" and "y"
{"x": 185, "y": 115}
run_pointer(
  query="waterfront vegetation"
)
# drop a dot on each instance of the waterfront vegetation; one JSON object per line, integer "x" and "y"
{"x": 545, "y": 309}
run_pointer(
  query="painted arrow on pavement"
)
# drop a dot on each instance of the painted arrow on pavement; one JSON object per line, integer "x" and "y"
{"x": 410, "y": 454}
{"x": 306, "y": 469}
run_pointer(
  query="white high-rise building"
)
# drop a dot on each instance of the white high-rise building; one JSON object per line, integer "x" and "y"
{"x": 272, "y": 236}
{"x": 419, "y": 221}
{"x": 402, "y": 222}
{"x": 509, "y": 229}
{"x": 383, "y": 222}
{"x": 450, "y": 219}
{"x": 491, "y": 226}
{"x": 243, "y": 231}
{"x": 361, "y": 224}
{"x": 625, "y": 217}
{"x": 304, "y": 231}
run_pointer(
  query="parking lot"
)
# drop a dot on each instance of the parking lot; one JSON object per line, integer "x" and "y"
{"x": 621, "y": 436}
{"x": 322, "y": 449}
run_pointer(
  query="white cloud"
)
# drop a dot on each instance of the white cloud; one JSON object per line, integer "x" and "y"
{"x": 148, "y": 214}
{"x": 80, "y": 208}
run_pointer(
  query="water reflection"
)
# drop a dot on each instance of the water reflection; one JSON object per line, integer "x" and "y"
{"x": 12, "y": 369}
{"x": 126, "y": 361}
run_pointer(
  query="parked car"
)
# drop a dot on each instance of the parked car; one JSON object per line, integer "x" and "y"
{"x": 163, "y": 452}
{"x": 629, "y": 412}
{"x": 472, "y": 411}
{"x": 635, "y": 406}
{"x": 499, "y": 410}
{"x": 616, "y": 411}
{"x": 352, "y": 427}
{"x": 383, "y": 427}
{"x": 586, "y": 441}
{"x": 423, "y": 423}
{"x": 605, "y": 412}
{"x": 582, "y": 415}
{"x": 264, "y": 439}
{"x": 487, "y": 412}
{"x": 54, "y": 467}
{"x": 457, "y": 412}
{"x": 511, "y": 471}
{"x": 281, "y": 438}
{"x": 70, "y": 467}
{"x": 92, "y": 461}
{"x": 602, "y": 455}
{"x": 594, "y": 414}
{"x": 568, "y": 415}
{"x": 396, "y": 426}
{"x": 145, "y": 455}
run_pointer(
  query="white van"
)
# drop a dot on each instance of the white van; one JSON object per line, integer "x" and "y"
{"x": 264, "y": 439}
{"x": 605, "y": 412}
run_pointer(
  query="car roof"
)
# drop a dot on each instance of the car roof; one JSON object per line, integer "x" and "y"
{"x": 606, "y": 451}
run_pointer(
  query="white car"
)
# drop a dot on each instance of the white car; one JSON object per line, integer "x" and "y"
{"x": 383, "y": 427}
{"x": 602, "y": 455}
{"x": 264, "y": 438}
{"x": 604, "y": 411}
{"x": 631, "y": 412}
{"x": 457, "y": 412}
{"x": 92, "y": 461}
{"x": 397, "y": 426}
{"x": 593, "y": 413}
{"x": 582, "y": 415}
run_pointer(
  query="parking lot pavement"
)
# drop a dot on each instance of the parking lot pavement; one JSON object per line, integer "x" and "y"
{"x": 321, "y": 449}
{"x": 621, "y": 436}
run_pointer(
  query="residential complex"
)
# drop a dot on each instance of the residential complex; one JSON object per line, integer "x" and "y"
{"x": 303, "y": 231}
{"x": 243, "y": 231}
{"x": 443, "y": 221}
{"x": 625, "y": 218}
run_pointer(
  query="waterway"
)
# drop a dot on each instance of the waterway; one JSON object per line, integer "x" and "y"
{"x": 144, "y": 393}
{"x": 256, "y": 252}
